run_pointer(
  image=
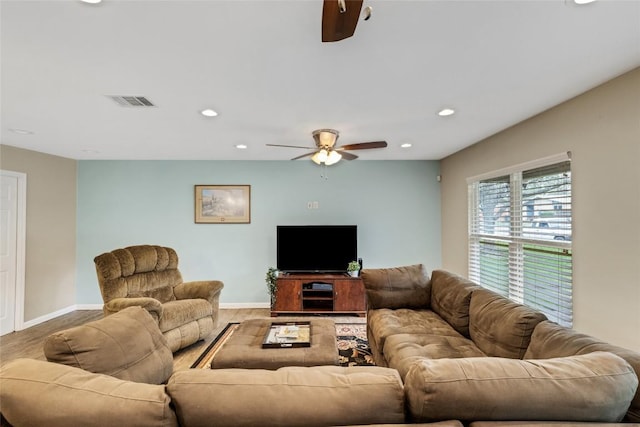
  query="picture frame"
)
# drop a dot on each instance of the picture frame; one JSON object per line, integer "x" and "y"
{"x": 222, "y": 204}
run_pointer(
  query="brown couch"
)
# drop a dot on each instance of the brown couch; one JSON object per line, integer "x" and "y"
{"x": 148, "y": 276}
{"x": 467, "y": 353}
{"x": 141, "y": 388}
{"x": 119, "y": 371}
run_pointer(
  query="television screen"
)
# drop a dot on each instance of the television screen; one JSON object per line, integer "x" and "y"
{"x": 316, "y": 248}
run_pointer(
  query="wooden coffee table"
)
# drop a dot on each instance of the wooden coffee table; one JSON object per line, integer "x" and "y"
{"x": 244, "y": 348}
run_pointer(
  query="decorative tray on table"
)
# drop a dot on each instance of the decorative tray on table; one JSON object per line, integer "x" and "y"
{"x": 288, "y": 335}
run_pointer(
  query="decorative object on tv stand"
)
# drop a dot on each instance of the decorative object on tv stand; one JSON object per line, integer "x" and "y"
{"x": 223, "y": 204}
{"x": 271, "y": 280}
{"x": 353, "y": 268}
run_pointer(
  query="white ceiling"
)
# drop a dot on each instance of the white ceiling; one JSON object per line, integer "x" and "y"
{"x": 262, "y": 66}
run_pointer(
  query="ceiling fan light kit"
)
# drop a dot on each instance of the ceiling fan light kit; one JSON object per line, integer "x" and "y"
{"x": 327, "y": 157}
{"x": 327, "y": 153}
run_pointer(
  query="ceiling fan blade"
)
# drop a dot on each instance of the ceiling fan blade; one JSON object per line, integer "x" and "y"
{"x": 336, "y": 24}
{"x": 348, "y": 156}
{"x": 288, "y": 146}
{"x": 304, "y": 155}
{"x": 364, "y": 145}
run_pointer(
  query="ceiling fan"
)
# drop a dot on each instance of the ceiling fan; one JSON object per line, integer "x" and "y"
{"x": 327, "y": 153}
{"x": 339, "y": 19}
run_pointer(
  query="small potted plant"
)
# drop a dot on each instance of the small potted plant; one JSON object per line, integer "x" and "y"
{"x": 271, "y": 279}
{"x": 353, "y": 268}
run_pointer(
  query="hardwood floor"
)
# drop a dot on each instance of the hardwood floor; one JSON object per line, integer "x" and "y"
{"x": 28, "y": 343}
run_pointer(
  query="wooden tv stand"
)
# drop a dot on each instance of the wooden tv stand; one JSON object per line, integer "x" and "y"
{"x": 303, "y": 294}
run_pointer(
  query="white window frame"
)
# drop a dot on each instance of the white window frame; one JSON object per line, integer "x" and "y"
{"x": 515, "y": 239}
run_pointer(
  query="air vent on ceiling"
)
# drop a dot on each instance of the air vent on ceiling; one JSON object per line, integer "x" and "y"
{"x": 132, "y": 101}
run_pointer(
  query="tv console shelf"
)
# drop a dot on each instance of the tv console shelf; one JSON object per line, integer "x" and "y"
{"x": 304, "y": 294}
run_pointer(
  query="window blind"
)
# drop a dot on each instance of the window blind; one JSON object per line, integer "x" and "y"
{"x": 520, "y": 236}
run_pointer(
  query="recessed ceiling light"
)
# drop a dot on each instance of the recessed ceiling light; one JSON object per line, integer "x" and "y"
{"x": 241, "y": 146}
{"x": 583, "y": 1}
{"x": 91, "y": 1}
{"x": 405, "y": 145}
{"x": 446, "y": 112}
{"x": 21, "y": 131}
{"x": 208, "y": 113}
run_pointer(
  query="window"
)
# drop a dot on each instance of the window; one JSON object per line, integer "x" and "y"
{"x": 520, "y": 235}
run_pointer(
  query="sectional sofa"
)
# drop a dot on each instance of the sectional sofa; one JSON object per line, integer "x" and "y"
{"x": 467, "y": 353}
{"x": 450, "y": 354}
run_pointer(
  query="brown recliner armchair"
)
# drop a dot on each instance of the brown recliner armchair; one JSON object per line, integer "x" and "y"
{"x": 148, "y": 276}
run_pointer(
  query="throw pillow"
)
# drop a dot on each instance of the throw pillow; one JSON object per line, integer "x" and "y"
{"x": 499, "y": 326}
{"x": 399, "y": 287}
{"x": 127, "y": 345}
{"x": 450, "y": 298}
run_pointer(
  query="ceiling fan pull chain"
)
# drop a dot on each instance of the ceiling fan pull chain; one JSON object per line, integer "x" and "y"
{"x": 323, "y": 172}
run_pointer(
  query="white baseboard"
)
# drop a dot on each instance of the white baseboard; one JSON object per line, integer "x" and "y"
{"x": 44, "y": 318}
{"x": 88, "y": 306}
{"x": 245, "y": 305}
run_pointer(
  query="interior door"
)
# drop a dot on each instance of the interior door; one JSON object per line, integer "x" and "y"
{"x": 8, "y": 251}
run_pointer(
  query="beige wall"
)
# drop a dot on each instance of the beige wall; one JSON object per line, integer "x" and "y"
{"x": 602, "y": 130}
{"x": 50, "y": 230}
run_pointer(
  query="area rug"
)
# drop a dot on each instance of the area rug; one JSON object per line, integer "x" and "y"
{"x": 351, "y": 340}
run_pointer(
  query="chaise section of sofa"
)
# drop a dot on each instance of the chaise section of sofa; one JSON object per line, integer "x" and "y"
{"x": 411, "y": 328}
{"x": 466, "y": 330}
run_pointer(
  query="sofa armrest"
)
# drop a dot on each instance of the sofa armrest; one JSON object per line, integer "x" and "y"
{"x": 205, "y": 289}
{"x": 152, "y": 305}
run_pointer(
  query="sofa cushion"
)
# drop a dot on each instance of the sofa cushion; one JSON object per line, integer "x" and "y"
{"x": 450, "y": 297}
{"x": 499, "y": 326}
{"x": 382, "y": 323}
{"x": 291, "y": 396}
{"x": 177, "y": 313}
{"x": 594, "y": 387}
{"x": 552, "y": 340}
{"x": 39, "y": 393}
{"x": 399, "y": 287}
{"x": 403, "y": 350}
{"x": 126, "y": 345}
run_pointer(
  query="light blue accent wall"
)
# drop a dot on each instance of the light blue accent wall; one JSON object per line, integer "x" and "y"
{"x": 395, "y": 204}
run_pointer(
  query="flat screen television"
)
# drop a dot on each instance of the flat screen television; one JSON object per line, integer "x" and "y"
{"x": 316, "y": 248}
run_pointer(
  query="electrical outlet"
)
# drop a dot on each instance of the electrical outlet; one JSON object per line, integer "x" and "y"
{"x": 315, "y": 205}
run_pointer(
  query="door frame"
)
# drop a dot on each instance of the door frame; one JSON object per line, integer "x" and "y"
{"x": 21, "y": 230}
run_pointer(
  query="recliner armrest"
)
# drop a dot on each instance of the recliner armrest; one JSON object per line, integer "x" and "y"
{"x": 152, "y": 305}
{"x": 205, "y": 289}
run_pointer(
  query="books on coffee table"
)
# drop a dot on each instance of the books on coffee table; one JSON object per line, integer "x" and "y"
{"x": 288, "y": 335}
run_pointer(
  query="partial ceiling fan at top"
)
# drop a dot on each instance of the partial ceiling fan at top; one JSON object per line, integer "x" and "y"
{"x": 327, "y": 153}
{"x": 340, "y": 18}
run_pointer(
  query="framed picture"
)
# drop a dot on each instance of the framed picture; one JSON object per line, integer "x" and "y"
{"x": 223, "y": 204}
